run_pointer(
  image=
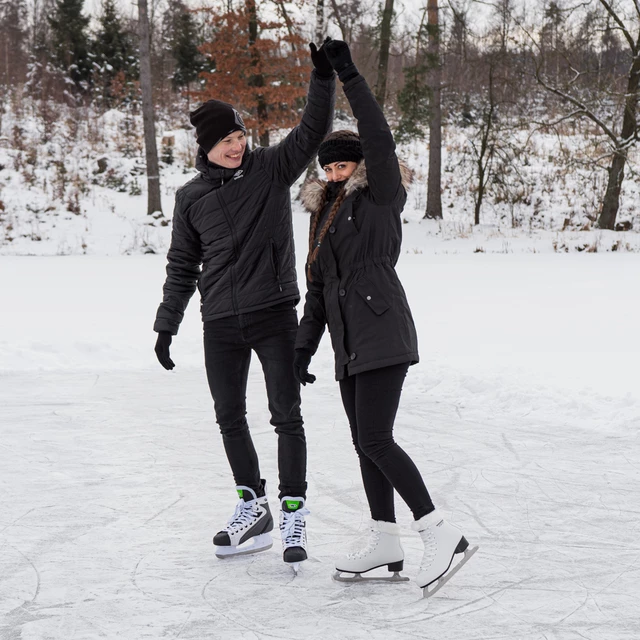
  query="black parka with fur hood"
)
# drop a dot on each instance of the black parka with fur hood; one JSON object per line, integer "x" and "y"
{"x": 354, "y": 288}
{"x": 237, "y": 224}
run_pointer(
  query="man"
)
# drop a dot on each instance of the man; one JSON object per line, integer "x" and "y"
{"x": 234, "y": 221}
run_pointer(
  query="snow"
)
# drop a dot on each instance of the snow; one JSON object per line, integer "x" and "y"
{"x": 523, "y": 415}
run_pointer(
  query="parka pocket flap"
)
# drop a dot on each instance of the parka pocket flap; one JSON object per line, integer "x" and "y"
{"x": 349, "y": 217}
{"x": 372, "y": 296}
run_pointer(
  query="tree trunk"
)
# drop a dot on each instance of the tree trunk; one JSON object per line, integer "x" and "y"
{"x": 434, "y": 181}
{"x": 257, "y": 79}
{"x": 385, "y": 45}
{"x": 320, "y": 25}
{"x": 151, "y": 151}
{"x": 611, "y": 202}
{"x": 312, "y": 169}
{"x": 481, "y": 183}
{"x": 346, "y": 36}
{"x": 486, "y": 149}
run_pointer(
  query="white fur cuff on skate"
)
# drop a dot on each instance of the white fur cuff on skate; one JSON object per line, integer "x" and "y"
{"x": 392, "y": 528}
{"x": 427, "y": 521}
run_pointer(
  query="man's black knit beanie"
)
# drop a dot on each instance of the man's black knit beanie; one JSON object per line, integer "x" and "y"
{"x": 340, "y": 146}
{"x": 215, "y": 120}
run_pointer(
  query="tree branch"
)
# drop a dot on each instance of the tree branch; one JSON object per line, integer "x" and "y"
{"x": 341, "y": 25}
{"x": 555, "y": 123}
{"x": 581, "y": 107}
{"x": 623, "y": 28}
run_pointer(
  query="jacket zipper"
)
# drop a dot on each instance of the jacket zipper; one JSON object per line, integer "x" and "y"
{"x": 234, "y": 240}
{"x": 275, "y": 262}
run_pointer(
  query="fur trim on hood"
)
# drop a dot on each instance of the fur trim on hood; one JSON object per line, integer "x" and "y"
{"x": 312, "y": 191}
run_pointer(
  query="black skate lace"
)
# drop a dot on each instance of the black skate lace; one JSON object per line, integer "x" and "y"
{"x": 292, "y": 527}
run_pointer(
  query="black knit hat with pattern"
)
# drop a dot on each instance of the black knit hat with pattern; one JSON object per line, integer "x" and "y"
{"x": 215, "y": 120}
{"x": 340, "y": 146}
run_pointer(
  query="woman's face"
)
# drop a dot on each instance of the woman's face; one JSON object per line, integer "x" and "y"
{"x": 339, "y": 171}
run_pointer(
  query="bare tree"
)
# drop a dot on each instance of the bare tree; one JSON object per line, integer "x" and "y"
{"x": 629, "y": 132}
{"x": 434, "y": 180}
{"x": 619, "y": 143}
{"x": 320, "y": 22}
{"x": 383, "y": 58}
{"x": 153, "y": 172}
{"x": 484, "y": 150}
{"x": 337, "y": 13}
{"x": 350, "y": 15}
{"x": 257, "y": 79}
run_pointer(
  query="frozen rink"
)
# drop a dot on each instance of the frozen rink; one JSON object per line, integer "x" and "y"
{"x": 523, "y": 415}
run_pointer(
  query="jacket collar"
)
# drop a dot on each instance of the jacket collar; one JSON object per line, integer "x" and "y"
{"x": 215, "y": 174}
{"x": 312, "y": 191}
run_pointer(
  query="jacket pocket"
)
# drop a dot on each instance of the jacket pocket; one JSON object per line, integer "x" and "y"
{"x": 349, "y": 214}
{"x": 275, "y": 261}
{"x": 372, "y": 295}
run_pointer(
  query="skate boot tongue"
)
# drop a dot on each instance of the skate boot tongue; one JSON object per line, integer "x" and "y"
{"x": 245, "y": 493}
{"x": 290, "y": 505}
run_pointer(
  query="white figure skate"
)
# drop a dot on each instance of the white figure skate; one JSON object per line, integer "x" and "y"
{"x": 442, "y": 542}
{"x": 383, "y": 548}
{"x": 247, "y": 531}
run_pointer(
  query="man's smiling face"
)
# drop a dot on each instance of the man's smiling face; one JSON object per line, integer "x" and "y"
{"x": 229, "y": 151}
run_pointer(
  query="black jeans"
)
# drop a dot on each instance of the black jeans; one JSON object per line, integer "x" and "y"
{"x": 228, "y": 343}
{"x": 371, "y": 401}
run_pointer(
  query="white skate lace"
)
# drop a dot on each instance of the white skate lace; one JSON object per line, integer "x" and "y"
{"x": 292, "y": 527}
{"x": 372, "y": 543}
{"x": 245, "y": 514}
{"x": 430, "y": 550}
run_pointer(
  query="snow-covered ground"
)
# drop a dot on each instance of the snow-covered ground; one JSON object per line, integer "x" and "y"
{"x": 83, "y": 190}
{"x": 523, "y": 415}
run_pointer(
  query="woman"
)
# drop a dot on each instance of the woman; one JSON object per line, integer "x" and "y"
{"x": 352, "y": 286}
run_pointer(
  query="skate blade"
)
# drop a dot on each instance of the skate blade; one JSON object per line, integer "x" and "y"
{"x": 357, "y": 577}
{"x": 295, "y": 567}
{"x": 263, "y": 542}
{"x": 427, "y": 592}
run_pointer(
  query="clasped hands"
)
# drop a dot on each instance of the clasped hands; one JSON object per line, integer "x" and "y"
{"x": 333, "y": 55}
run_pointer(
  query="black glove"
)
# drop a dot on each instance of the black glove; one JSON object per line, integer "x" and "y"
{"x": 162, "y": 350}
{"x": 301, "y": 361}
{"x": 320, "y": 61}
{"x": 340, "y": 58}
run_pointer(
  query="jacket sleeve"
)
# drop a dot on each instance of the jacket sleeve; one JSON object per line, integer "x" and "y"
{"x": 183, "y": 271}
{"x": 288, "y": 159}
{"x": 378, "y": 146}
{"x": 314, "y": 319}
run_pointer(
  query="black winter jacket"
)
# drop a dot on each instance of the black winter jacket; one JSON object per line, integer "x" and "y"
{"x": 355, "y": 289}
{"x": 237, "y": 224}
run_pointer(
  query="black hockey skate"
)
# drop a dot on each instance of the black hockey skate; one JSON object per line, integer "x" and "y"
{"x": 247, "y": 531}
{"x": 293, "y": 531}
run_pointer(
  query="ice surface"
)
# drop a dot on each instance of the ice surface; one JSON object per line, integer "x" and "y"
{"x": 523, "y": 415}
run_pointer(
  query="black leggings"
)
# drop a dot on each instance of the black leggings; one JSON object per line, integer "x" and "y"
{"x": 371, "y": 400}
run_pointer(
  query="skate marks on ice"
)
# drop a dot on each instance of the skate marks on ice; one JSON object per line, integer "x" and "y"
{"x": 555, "y": 513}
{"x": 550, "y": 498}
{"x": 116, "y": 494}
{"x": 431, "y": 589}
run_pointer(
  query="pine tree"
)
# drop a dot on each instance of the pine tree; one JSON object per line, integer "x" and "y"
{"x": 70, "y": 40}
{"x": 415, "y": 96}
{"x": 115, "y": 62}
{"x": 183, "y": 39}
{"x": 13, "y": 55}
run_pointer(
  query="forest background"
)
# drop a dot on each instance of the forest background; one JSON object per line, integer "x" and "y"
{"x": 520, "y": 119}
